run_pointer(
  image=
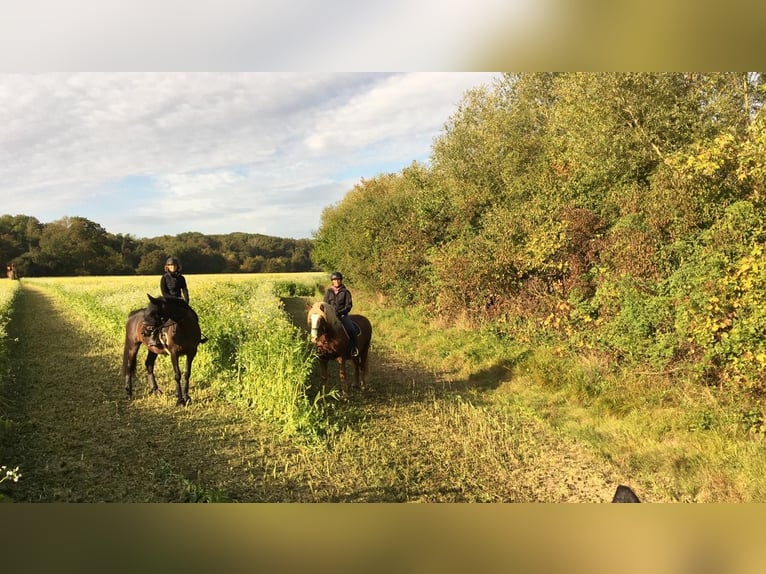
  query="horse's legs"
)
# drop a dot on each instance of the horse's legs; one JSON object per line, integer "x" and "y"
{"x": 185, "y": 399}
{"x": 360, "y": 370}
{"x": 151, "y": 358}
{"x": 177, "y": 375}
{"x": 342, "y": 377}
{"x": 129, "y": 366}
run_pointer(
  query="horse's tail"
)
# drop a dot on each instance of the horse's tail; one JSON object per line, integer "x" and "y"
{"x": 125, "y": 354}
{"x": 129, "y": 334}
{"x": 366, "y": 332}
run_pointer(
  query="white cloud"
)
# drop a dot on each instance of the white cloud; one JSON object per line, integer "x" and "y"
{"x": 149, "y": 154}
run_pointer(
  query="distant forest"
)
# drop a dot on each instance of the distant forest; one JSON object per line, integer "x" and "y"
{"x": 74, "y": 246}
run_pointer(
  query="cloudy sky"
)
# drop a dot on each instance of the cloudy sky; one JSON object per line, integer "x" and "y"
{"x": 163, "y": 153}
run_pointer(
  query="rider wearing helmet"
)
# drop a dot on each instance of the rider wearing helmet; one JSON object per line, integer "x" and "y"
{"x": 339, "y": 297}
{"x": 173, "y": 284}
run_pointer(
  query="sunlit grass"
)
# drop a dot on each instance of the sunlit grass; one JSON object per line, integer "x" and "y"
{"x": 416, "y": 434}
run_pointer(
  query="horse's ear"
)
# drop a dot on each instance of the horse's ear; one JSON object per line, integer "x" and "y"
{"x": 321, "y": 307}
{"x": 152, "y": 299}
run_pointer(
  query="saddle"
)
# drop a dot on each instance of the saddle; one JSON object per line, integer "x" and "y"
{"x": 157, "y": 336}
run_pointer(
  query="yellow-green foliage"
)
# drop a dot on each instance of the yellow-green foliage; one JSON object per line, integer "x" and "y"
{"x": 8, "y": 292}
{"x": 253, "y": 354}
{"x": 730, "y": 326}
{"x": 616, "y": 211}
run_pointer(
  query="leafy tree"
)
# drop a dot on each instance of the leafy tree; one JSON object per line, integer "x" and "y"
{"x": 78, "y": 246}
{"x": 19, "y": 235}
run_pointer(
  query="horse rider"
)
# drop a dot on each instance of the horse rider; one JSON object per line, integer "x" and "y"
{"x": 339, "y": 297}
{"x": 173, "y": 284}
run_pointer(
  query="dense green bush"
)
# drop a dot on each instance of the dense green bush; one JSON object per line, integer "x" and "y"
{"x": 719, "y": 291}
{"x": 616, "y": 212}
{"x": 293, "y": 289}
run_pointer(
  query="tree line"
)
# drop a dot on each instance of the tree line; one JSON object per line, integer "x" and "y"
{"x": 622, "y": 213}
{"x": 74, "y": 246}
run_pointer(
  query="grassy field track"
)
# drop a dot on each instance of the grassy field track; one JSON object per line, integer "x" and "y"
{"x": 413, "y": 436}
{"x": 79, "y": 440}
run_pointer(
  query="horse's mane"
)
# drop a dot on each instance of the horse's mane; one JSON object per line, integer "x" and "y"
{"x": 172, "y": 307}
{"x": 175, "y": 304}
{"x": 329, "y": 313}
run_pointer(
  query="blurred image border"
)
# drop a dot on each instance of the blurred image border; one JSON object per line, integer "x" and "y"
{"x": 572, "y": 538}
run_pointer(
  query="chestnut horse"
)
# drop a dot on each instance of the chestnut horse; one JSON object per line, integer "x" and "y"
{"x": 333, "y": 343}
{"x": 166, "y": 327}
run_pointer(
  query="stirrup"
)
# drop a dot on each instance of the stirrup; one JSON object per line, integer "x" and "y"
{"x": 355, "y": 351}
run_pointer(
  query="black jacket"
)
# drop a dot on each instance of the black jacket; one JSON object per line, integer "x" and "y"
{"x": 341, "y": 300}
{"x": 174, "y": 285}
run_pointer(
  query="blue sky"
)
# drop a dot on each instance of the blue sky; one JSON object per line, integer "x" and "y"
{"x": 163, "y": 153}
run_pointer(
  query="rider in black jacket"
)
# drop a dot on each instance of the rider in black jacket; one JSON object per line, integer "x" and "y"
{"x": 173, "y": 284}
{"x": 340, "y": 298}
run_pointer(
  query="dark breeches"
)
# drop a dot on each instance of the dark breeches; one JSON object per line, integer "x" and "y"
{"x": 350, "y": 328}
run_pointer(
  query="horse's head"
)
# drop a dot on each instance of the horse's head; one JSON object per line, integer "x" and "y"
{"x": 155, "y": 314}
{"x": 164, "y": 308}
{"x": 320, "y": 315}
{"x": 316, "y": 316}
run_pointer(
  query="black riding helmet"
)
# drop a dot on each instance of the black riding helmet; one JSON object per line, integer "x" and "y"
{"x": 336, "y": 275}
{"x": 173, "y": 261}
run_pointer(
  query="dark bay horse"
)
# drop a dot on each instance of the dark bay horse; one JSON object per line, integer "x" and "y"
{"x": 166, "y": 327}
{"x": 333, "y": 343}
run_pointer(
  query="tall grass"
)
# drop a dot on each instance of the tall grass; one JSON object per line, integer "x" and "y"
{"x": 254, "y": 355}
{"x": 452, "y": 352}
{"x": 9, "y": 290}
{"x": 257, "y": 355}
